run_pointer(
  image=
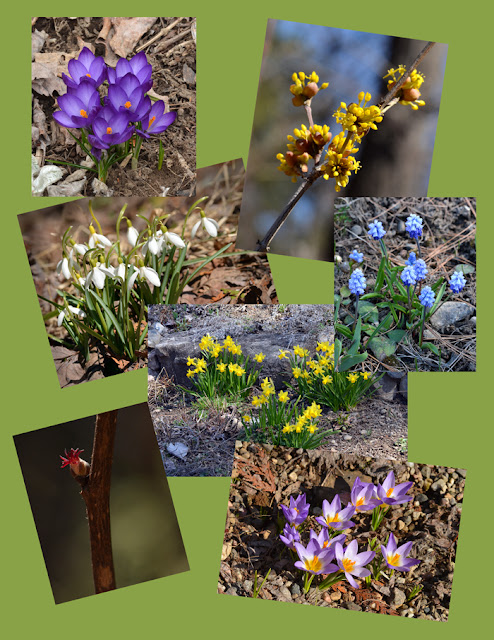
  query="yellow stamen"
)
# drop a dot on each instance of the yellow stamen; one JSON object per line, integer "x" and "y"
{"x": 108, "y": 130}
{"x": 348, "y": 564}
{"x": 394, "y": 560}
{"x": 88, "y": 75}
{"x": 313, "y": 565}
{"x": 83, "y": 113}
{"x": 389, "y": 492}
{"x": 127, "y": 105}
{"x": 151, "y": 121}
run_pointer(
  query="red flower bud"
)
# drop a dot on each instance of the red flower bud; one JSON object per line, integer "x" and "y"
{"x": 311, "y": 89}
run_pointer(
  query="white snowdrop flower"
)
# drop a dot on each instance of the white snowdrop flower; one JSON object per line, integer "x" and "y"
{"x": 152, "y": 245}
{"x": 64, "y": 268}
{"x": 208, "y": 224}
{"x": 81, "y": 249}
{"x": 145, "y": 273}
{"x": 132, "y": 235}
{"x": 97, "y": 239}
{"x": 173, "y": 238}
{"x": 96, "y": 276}
{"x": 74, "y": 310}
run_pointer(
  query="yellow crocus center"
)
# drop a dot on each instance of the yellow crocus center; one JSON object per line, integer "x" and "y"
{"x": 108, "y": 130}
{"x": 335, "y": 518}
{"x": 151, "y": 121}
{"x": 360, "y": 502}
{"x": 389, "y": 492}
{"x": 348, "y": 564}
{"x": 88, "y": 75}
{"x": 313, "y": 565}
{"x": 127, "y": 105}
{"x": 394, "y": 561}
{"x": 83, "y": 113}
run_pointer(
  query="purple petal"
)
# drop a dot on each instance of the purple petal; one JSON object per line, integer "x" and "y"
{"x": 76, "y": 69}
{"x": 365, "y": 557}
{"x": 361, "y": 572}
{"x": 338, "y": 551}
{"x": 86, "y": 56}
{"x": 64, "y": 119}
{"x": 405, "y": 549}
{"x": 351, "y": 580}
{"x": 351, "y": 550}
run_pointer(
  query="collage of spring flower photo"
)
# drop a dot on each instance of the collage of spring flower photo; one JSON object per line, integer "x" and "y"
{"x": 240, "y": 306}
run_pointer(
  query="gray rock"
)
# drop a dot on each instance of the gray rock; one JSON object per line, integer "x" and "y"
{"x": 386, "y": 387}
{"x": 421, "y": 497}
{"x": 404, "y": 387}
{"x": 451, "y": 313}
{"x": 399, "y": 598}
{"x": 356, "y": 230}
{"x": 353, "y": 606}
{"x": 295, "y": 590}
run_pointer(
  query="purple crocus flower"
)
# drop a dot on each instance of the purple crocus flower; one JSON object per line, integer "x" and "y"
{"x": 363, "y": 496}
{"x": 87, "y": 67}
{"x": 376, "y": 230}
{"x": 156, "y": 120}
{"x": 298, "y": 510}
{"x": 334, "y": 517}
{"x": 78, "y": 107}
{"x": 457, "y": 282}
{"x": 138, "y": 66}
{"x": 289, "y": 536}
{"x": 128, "y": 97}
{"x": 353, "y": 563}
{"x": 414, "y": 225}
{"x": 395, "y": 557}
{"x": 110, "y": 127}
{"x": 390, "y": 494}
{"x": 324, "y": 541}
{"x": 313, "y": 560}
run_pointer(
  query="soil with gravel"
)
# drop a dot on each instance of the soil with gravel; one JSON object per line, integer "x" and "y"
{"x": 173, "y": 59}
{"x": 448, "y": 240}
{"x": 264, "y": 477}
{"x": 377, "y": 426}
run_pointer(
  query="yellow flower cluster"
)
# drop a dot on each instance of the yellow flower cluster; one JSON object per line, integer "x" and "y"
{"x": 209, "y": 345}
{"x": 305, "y": 87}
{"x": 304, "y": 145}
{"x": 339, "y": 161}
{"x": 197, "y": 365}
{"x": 409, "y": 93}
{"x": 358, "y": 118}
{"x": 307, "y": 421}
{"x": 268, "y": 389}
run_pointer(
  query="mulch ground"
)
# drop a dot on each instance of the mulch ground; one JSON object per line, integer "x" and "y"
{"x": 228, "y": 279}
{"x": 448, "y": 240}
{"x": 170, "y": 47}
{"x": 264, "y": 477}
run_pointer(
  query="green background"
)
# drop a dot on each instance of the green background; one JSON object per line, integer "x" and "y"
{"x": 449, "y": 414}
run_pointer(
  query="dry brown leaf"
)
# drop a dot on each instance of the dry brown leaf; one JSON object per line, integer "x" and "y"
{"x": 189, "y": 75}
{"x": 128, "y": 32}
{"x": 37, "y": 42}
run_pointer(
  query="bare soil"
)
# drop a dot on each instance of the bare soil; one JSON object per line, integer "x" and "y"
{"x": 172, "y": 54}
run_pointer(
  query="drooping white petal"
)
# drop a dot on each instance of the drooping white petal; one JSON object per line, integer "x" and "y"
{"x": 174, "y": 238}
{"x": 211, "y": 226}
{"x": 77, "y": 312}
{"x": 98, "y": 240}
{"x": 195, "y": 228}
{"x": 98, "y": 277}
{"x": 108, "y": 271}
{"x": 150, "y": 275}
{"x": 132, "y": 279}
{"x": 61, "y": 316}
{"x": 132, "y": 236}
{"x": 81, "y": 249}
{"x": 64, "y": 268}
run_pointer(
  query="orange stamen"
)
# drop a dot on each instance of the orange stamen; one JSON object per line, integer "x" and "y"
{"x": 88, "y": 75}
{"x": 394, "y": 560}
{"x": 314, "y": 564}
{"x": 151, "y": 121}
{"x": 389, "y": 492}
{"x": 348, "y": 564}
{"x": 127, "y": 105}
{"x": 83, "y": 113}
{"x": 108, "y": 130}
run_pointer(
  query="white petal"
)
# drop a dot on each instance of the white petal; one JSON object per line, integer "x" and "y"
{"x": 132, "y": 279}
{"x": 61, "y": 316}
{"x": 150, "y": 275}
{"x": 98, "y": 277}
{"x": 120, "y": 273}
{"x": 132, "y": 235}
{"x": 103, "y": 240}
{"x": 65, "y": 269}
{"x": 81, "y": 249}
{"x": 195, "y": 228}
{"x": 211, "y": 226}
{"x": 175, "y": 239}
{"x": 153, "y": 246}
{"x": 108, "y": 271}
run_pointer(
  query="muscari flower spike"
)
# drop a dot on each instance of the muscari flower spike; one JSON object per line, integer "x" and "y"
{"x": 412, "y": 258}
{"x": 408, "y": 276}
{"x": 414, "y": 226}
{"x": 376, "y": 230}
{"x": 427, "y": 297}
{"x": 357, "y": 282}
{"x": 356, "y": 256}
{"x": 420, "y": 269}
{"x": 457, "y": 282}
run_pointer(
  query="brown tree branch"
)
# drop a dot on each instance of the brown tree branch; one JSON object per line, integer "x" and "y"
{"x": 96, "y": 494}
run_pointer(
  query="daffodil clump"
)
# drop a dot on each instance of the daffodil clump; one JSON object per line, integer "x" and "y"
{"x": 333, "y": 157}
{"x": 222, "y": 370}
{"x": 319, "y": 380}
{"x": 112, "y": 280}
{"x": 281, "y": 421}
